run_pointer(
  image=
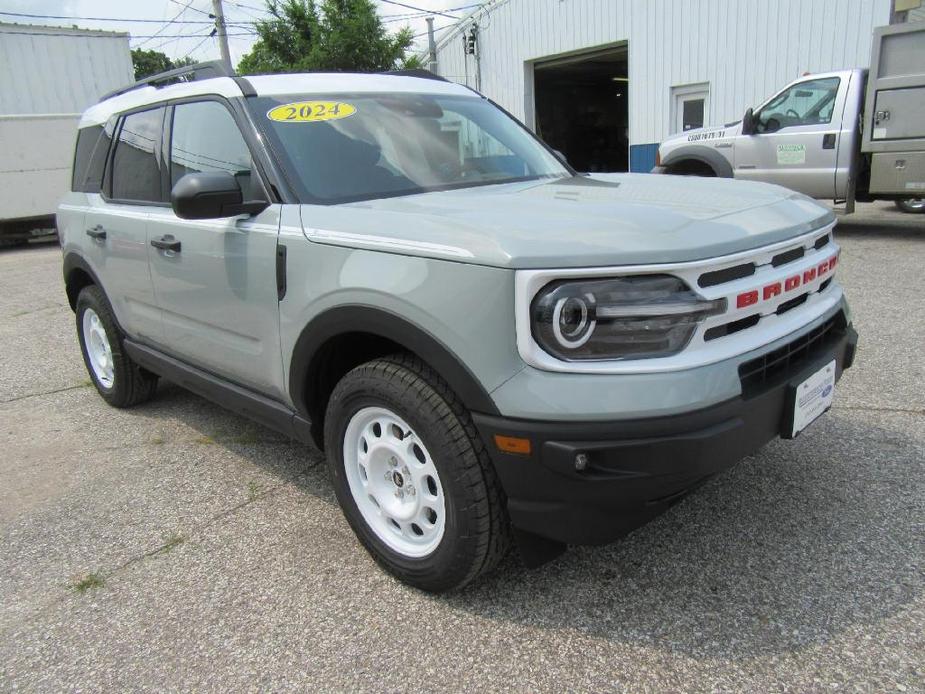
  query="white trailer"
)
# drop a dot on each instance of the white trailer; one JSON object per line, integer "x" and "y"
{"x": 48, "y": 76}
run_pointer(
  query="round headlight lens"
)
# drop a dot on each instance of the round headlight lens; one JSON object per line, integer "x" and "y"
{"x": 572, "y": 320}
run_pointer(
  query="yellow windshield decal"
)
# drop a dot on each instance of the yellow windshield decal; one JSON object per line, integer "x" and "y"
{"x": 311, "y": 111}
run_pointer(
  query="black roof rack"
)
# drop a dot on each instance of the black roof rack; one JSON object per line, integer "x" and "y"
{"x": 188, "y": 73}
{"x": 417, "y": 72}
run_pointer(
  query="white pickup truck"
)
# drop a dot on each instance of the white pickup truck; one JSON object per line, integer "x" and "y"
{"x": 845, "y": 136}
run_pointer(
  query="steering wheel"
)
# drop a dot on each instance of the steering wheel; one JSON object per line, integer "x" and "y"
{"x": 790, "y": 111}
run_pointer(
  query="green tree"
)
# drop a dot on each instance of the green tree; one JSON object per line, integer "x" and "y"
{"x": 330, "y": 35}
{"x": 147, "y": 63}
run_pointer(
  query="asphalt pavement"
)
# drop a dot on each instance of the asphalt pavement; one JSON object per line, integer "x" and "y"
{"x": 176, "y": 546}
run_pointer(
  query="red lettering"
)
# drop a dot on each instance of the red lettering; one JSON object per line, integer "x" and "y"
{"x": 772, "y": 290}
{"x": 747, "y": 299}
{"x": 823, "y": 268}
{"x": 792, "y": 283}
{"x": 809, "y": 275}
{"x": 832, "y": 261}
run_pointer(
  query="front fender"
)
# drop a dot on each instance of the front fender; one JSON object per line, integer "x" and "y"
{"x": 699, "y": 153}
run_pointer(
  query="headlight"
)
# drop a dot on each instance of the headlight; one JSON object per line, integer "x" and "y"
{"x": 640, "y": 317}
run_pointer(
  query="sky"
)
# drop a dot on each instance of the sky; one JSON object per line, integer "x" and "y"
{"x": 187, "y": 37}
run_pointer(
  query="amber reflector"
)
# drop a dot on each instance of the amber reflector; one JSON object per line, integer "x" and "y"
{"x": 512, "y": 444}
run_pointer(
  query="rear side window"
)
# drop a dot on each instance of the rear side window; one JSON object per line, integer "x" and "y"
{"x": 136, "y": 175}
{"x": 205, "y": 137}
{"x": 90, "y": 157}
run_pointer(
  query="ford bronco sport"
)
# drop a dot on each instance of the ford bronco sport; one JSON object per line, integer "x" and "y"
{"x": 489, "y": 347}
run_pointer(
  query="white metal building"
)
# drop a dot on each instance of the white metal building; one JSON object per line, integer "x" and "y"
{"x": 605, "y": 81}
{"x": 48, "y": 76}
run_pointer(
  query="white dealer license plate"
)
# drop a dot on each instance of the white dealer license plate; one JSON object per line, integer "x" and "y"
{"x": 813, "y": 397}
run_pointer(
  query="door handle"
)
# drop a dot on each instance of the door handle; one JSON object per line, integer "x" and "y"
{"x": 167, "y": 243}
{"x": 97, "y": 232}
{"x": 828, "y": 141}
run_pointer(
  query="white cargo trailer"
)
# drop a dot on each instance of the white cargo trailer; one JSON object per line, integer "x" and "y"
{"x": 48, "y": 76}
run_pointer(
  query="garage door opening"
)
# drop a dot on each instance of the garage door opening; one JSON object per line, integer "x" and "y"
{"x": 582, "y": 109}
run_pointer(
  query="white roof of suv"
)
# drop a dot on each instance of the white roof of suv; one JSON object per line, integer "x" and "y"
{"x": 269, "y": 85}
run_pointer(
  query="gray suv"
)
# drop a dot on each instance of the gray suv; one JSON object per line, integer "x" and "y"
{"x": 491, "y": 349}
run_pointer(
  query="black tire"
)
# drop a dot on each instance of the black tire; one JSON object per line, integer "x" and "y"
{"x": 911, "y": 205}
{"x": 131, "y": 384}
{"x": 477, "y": 531}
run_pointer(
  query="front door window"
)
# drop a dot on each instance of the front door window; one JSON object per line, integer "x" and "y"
{"x": 805, "y": 103}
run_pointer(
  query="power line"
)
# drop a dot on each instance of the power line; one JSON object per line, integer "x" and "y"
{"x": 172, "y": 20}
{"x": 194, "y": 9}
{"x": 419, "y": 9}
{"x": 424, "y": 33}
{"x": 108, "y": 19}
{"x": 196, "y": 47}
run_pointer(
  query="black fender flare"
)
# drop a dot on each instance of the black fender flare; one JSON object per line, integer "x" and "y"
{"x": 74, "y": 261}
{"x": 372, "y": 320}
{"x": 704, "y": 155}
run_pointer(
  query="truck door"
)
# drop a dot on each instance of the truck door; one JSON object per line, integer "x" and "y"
{"x": 795, "y": 142}
{"x": 215, "y": 279}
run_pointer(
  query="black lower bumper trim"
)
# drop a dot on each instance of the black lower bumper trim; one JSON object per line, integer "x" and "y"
{"x": 636, "y": 468}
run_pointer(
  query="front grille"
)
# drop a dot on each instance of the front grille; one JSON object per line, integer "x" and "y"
{"x": 784, "y": 361}
{"x": 729, "y": 274}
{"x": 787, "y": 256}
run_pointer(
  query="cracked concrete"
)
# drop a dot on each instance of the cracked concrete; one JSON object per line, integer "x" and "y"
{"x": 801, "y": 569}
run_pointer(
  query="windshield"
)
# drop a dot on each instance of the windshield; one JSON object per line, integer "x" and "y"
{"x": 347, "y": 147}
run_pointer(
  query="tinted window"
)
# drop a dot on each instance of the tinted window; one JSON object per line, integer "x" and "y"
{"x": 90, "y": 157}
{"x": 205, "y": 137}
{"x": 135, "y": 172}
{"x": 354, "y": 147}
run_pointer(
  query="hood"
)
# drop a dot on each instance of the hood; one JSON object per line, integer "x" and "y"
{"x": 606, "y": 219}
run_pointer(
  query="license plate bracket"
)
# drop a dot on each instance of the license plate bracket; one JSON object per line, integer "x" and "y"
{"x": 809, "y": 396}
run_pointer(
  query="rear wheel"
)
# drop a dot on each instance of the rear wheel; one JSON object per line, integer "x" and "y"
{"x": 120, "y": 381}
{"x": 911, "y": 205}
{"x": 412, "y": 475}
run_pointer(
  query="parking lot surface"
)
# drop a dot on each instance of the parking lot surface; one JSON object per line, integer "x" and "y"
{"x": 177, "y": 546}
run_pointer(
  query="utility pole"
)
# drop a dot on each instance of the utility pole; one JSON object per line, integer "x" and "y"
{"x": 219, "y": 16}
{"x": 431, "y": 46}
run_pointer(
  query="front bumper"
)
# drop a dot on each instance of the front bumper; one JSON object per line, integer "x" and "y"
{"x": 638, "y": 468}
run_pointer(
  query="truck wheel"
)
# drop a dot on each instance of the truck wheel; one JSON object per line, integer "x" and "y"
{"x": 911, "y": 205}
{"x": 412, "y": 475}
{"x": 120, "y": 381}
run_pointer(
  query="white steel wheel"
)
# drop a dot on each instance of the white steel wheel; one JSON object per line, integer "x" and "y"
{"x": 99, "y": 352}
{"x": 394, "y": 482}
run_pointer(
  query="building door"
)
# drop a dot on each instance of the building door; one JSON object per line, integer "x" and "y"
{"x": 689, "y": 106}
{"x": 582, "y": 108}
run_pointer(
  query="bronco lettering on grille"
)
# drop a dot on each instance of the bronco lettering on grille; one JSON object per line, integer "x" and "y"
{"x": 779, "y": 288}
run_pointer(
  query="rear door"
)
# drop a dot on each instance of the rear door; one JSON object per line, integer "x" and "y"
{"x": 217, "y": 290}
{"x": 796, "y": 140}
{"x": 117, "y": 222}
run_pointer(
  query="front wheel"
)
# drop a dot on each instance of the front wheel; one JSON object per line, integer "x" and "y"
{"x": 911, "y": 205}
{"x": 412, "y": 475}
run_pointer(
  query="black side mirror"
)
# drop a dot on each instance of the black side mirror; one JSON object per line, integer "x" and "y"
{"x": 210, "y": 195}
{"x": 748, "y": 122}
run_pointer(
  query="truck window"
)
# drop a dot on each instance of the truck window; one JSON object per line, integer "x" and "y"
{"x": 205, "y": 137}
{"x": 90, "y": 157}
{"x": 805, "y": 103}
{"x": 135, "y": 172}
